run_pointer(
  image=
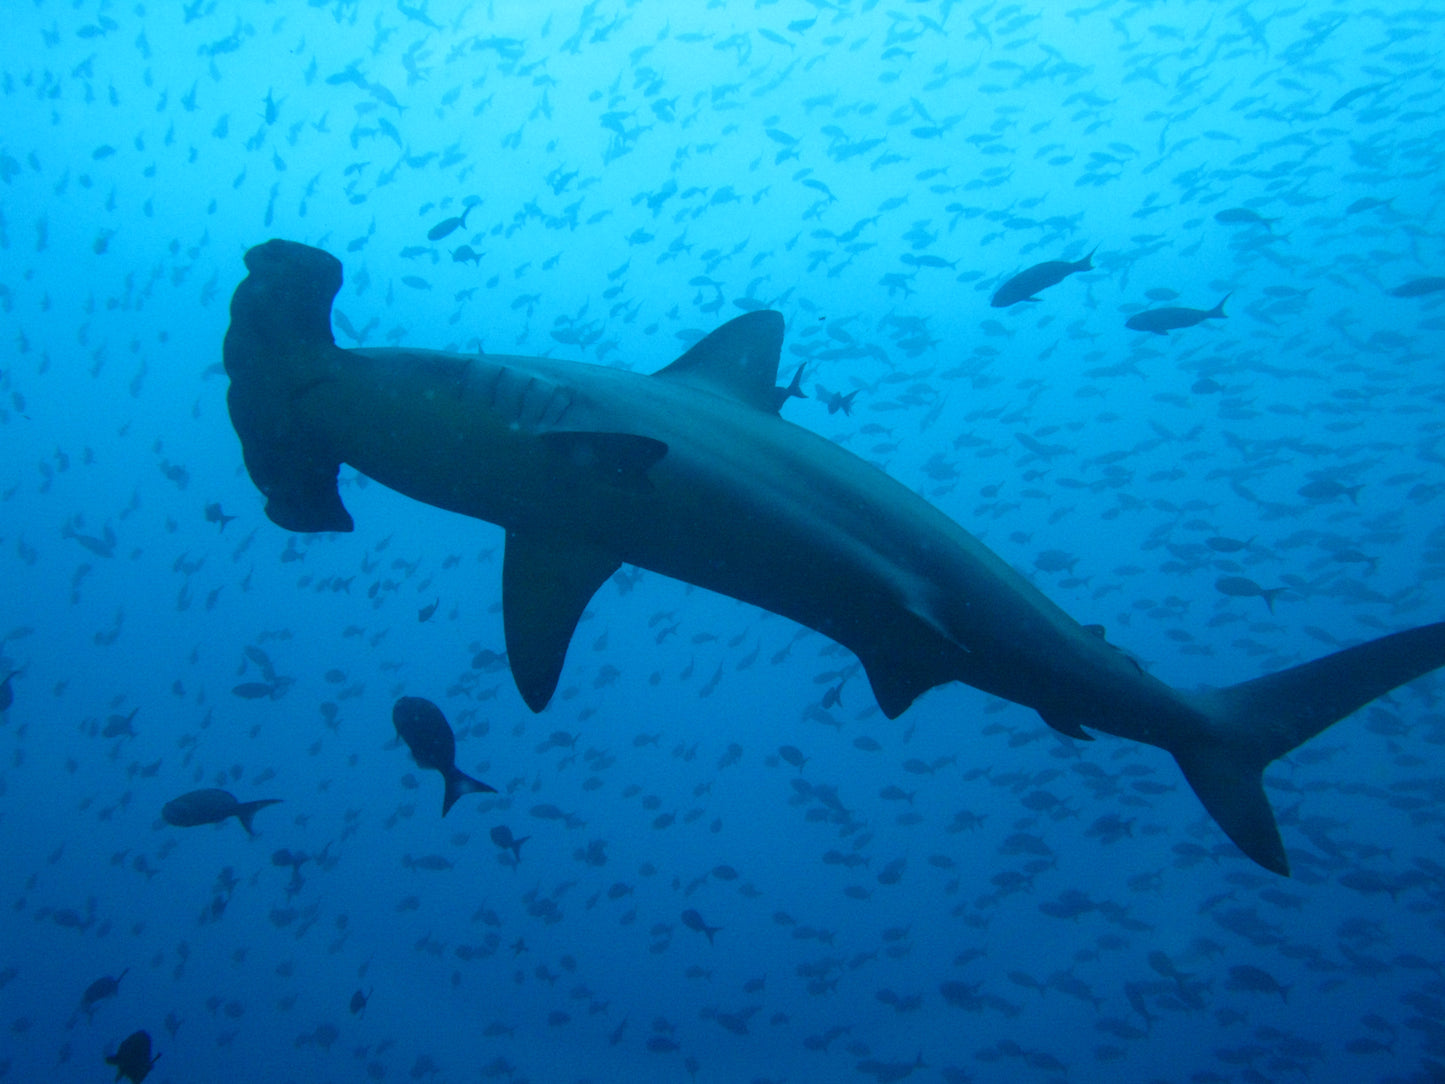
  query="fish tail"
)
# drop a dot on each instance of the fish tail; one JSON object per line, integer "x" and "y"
{"x": 459, "y": 783}
{"x": 246, "y": 810}
{"x": 1087, "y": 263}
{"x": 1218, "y": 311}
{"x": 276, "y": 350}
{"x": 1256, "y": 722}
{"x": 1269, "y": 594}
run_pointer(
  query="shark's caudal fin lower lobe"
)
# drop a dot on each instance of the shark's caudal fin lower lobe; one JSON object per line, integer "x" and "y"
{"x": 274, "y": 353}
{"x": 1257, "y": 721}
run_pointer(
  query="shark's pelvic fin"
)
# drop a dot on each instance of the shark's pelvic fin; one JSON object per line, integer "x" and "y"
{"x": 738, "y": 360}
{"x": 547, "y": 581}
{"x": 1255, "y": 722}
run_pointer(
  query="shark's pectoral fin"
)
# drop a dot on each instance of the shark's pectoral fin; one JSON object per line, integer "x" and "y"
{"x": 738, "y": 360}
{"x": 620, "y": 460}
{"x": 547, "y": 582}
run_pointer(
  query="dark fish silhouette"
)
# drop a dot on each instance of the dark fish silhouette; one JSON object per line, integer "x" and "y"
{"x": 503, "y": 838}
{"x": 98, "y": 991}
{"x": 694, "y": 921}
{"x": 212, "y": 806}
{"x": 215, "y": 515}
{"x": 7, "y": 694}
{"x": 449, "y": 225}
{"x": 133, "y": 1060}
{"x": 1026, "y": 284}
{"x": 1163, "y": 321}
{"x": 1243, "y": 216}
{"x": 359, "y": 1000}
{"x": 1244, "y": 587}
{"x": 1431, "y": 284}
{"x": 428, "y": 735}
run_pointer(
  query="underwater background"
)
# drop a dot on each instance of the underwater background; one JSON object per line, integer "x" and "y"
{"x": 959, "y": 894}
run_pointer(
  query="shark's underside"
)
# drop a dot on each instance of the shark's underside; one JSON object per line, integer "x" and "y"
{"x": 692, "y": 473}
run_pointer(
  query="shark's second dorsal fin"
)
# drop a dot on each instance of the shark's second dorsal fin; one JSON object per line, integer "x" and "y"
{"x": 738, "y": 360}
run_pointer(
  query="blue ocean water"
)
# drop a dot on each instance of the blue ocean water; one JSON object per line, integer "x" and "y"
{"x": 958, "y": 894}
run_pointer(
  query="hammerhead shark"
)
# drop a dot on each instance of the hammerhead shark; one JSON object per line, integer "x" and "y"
{"x": 691, "y": 472}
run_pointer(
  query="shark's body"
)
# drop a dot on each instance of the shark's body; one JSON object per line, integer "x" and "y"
{"x": 692, "y": 473}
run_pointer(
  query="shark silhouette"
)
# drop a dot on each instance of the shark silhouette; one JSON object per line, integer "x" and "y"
{"x": 691, "y": 472}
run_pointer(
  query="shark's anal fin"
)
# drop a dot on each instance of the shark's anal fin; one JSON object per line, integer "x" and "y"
{"x": 547, "y": 582}
{"x": 739, "y": 360}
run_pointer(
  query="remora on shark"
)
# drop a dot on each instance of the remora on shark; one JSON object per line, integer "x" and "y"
{"x": 692, "y": 473}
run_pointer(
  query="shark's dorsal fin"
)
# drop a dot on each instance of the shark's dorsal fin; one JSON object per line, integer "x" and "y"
{"x": 738, "y": 360}
{"x": 547, "y": 581}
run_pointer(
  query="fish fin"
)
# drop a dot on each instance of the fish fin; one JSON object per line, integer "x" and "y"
{"x": 277, "y": 348}
{"x": 738, "y": 360}
{"x": 547, "y": 582}
{"x": 1258, "y": 721}
{"x": 1218, "y": 310}
{"x": 620, "y": 460}
{"x": 1232, "y": 790}
{"x": 246, "y": 810}
{"x": 458, "y": 783}
{"x": 899, "y": 679}
{"x": 1066, "y": 725}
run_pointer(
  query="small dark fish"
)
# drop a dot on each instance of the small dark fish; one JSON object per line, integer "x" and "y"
{"x": 7, "y": 694}
{"x": 133, "y": 1060}
{"x": 359, "y": 1000}
{"x": 693, "y": 921}
{"x": 212, "y": 806}
{"x": 426, "y": 612}
{"x": 98, "y": 991}
{"x": 466, "y": 254}
{"x": 1243, "y": 216}
{"x": 1244, "y": 587}
{"x": 450, "y": 225}
{"x": 793, "y": 755}
{"x": 1367, "y": 203}
{"x": 836, "y": 400}
{"x": 1327, "y": 489}
{"x": 503, "y": 838}
{"x": 253, "y": 690}
{"x": 1163, "y": 321}
{"x": 215, "y": 515}
{"x": 1431, "y": 284}
{"x": 428, "y": 735}
{"x": 1024, "y": 285}
{"x": 1221, "y": 544}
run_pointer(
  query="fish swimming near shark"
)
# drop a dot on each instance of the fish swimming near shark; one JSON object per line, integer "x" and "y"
{"x": 1027, "y": 283}
{"x": 433, "y": 745}
{"x": 692, "y": 473}
{"x": 211, "y": 806}
{"x": 1174, "y": 317}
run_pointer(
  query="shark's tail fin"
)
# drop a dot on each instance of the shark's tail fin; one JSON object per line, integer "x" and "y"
{"x": 1257, "y": 721}
{"x": 277, "y": 349}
